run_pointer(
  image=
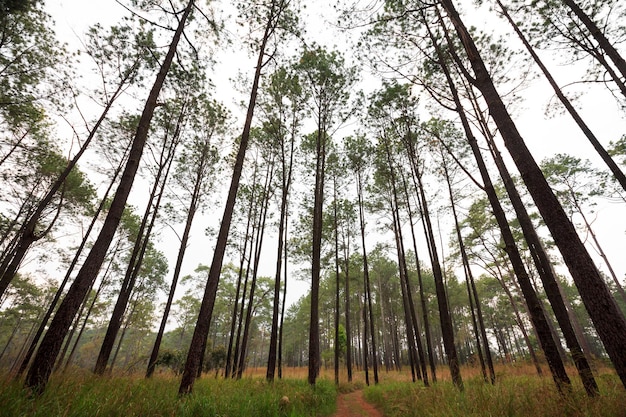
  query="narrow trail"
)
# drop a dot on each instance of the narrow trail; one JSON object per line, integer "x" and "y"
{"x": 354, "y": 405}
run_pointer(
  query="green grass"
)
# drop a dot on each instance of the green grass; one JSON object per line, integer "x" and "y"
{"x": 514, "y": 396}
{"x": 87, "y": 395}
{"x": 518, "y": 393}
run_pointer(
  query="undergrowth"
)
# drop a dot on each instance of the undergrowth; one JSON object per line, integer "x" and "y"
{"x": 516, "y": 396}
{"x": 86, "y": 395}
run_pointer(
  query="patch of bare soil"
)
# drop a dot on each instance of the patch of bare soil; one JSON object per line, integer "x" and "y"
{"x": 354, "y": 405}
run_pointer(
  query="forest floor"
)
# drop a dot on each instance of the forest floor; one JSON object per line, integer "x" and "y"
{"x": 353, "y": 404}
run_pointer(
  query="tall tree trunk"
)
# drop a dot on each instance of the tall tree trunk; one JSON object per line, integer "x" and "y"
{"x": 337, "y": 287}
{"x": 314, "y": 342}
{"x": 232, "y": 352}
{"x": 470, "y": 278}
{"x": 265, "y": 201}
{"x": 597, "y": 34}
{"x": 103, "y": 283}
{"x": 366, "y": 277}
{"x": 43, "y": 362}
{"x": 282, "y": 312}
{"x": 59, "y": 293}
{"x": 141, "y": 245}
{"x": 442, "y": 301}
{"x": 191, "y": 212}
{"x": 413, "y": 359}
{"x": 198, "y": 341}
{"x": 546, "y": 274}
{"x": 535, "y": 310}
{"x": 604, "y": 312}
{"x": 426, "y": 321}
{"x": 282, "y": 226}
{"x": 608, "y": 160}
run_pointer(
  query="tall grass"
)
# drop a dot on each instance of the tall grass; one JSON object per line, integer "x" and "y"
{"x": 87, "y": 395}
{"x": 514, "y": 395}
{"x": 519, "y": 392}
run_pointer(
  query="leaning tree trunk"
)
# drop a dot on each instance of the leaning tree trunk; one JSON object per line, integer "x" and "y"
{"x": 535, "y": 309}
{"x": 191, "y": 212}
{"x": 608, "y": 160}
{"x": 43, "y": 362}
{"x": 597, "y": 34}
{"x": 442, "y": 301}
{"x": 609, "y": 321}
{"x": 59, "y": 293}
{"x": 257, "y": 257}
{"x": 139, "y": 250}
{"x": 194, "y": 356}
{"x": 546, "y": 274}
{"x": 469, "y": 278}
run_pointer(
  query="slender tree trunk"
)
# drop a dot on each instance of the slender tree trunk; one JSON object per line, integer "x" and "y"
{"x": 546, "y": 273}
{"x": 68, "y": 341}
{"x": 366, "y": 276}
{"x": 604, "y": 312}
{"x": 469, "y": 277}
{"x": 191, "y": 212}
{"x": 314, "y": 342}
{"x": 193, "y": 362}
{"x": 286, "y": 184}
{"x": 59, "y": 293}
{"x": 282, "y": 312}
{"x": 608, "y": 160}
{"x": 43, "y": 362}
{"x": 413, "y": 360}
{"x": 597, "y": 34}
{"x": 442, "y": 301}
{"x": 141, "y": 245}
{"x": 337, "y": 289}
{"x": 257, "y": 256}
{"x": 538, "y": 318}
{"x": 232, "y": 353}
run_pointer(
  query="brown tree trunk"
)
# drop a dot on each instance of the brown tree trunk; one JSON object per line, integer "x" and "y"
{"x": 257, "y": 257}
{"x": 366, "y": 277}
{"x": 314, "y": 342}
{"x": 191, "y": 212}
{"x": 597, "y": 34}
{"x": 604, "y": 312}
{"x": 139, "y": 249}
{"x": 43, "y": 362}
{"x": 194, "y": 356}
{"x": 59, "y": 293}
{"x": 608, "y": 160}
{"x": 282, "y": 225}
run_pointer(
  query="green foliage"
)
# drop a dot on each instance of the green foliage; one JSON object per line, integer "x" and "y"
{"x": 29, "y": 56}
{"x": 618, "y": 149}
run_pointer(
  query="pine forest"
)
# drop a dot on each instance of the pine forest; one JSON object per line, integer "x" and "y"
{"x": 332, "y": 208}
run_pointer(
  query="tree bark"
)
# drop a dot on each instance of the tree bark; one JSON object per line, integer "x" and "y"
{"x": 43, "y": 362}
{"x": 604, "y": 312}
{"x": 194, "y": 356}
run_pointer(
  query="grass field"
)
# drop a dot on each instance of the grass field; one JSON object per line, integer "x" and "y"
{"x": 518, "y": 392}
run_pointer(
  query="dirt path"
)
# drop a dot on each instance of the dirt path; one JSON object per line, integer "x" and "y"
{"x": 354, "y": 405}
